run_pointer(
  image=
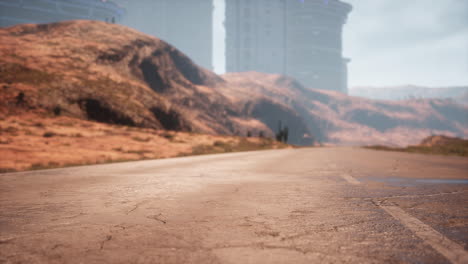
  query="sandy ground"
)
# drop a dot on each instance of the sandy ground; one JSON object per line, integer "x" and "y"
{"x": 33, "y": 142}
{"x": 320, "y": 205}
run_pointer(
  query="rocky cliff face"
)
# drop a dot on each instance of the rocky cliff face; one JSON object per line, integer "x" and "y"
{"x": 336, "y": 118}
{"x": 113, "y": 74}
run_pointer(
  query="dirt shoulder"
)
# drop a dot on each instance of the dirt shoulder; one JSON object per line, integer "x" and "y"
{"x": 29, "y": 142}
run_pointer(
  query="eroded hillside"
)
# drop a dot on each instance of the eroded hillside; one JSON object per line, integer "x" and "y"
{"x": 112, "y": 74}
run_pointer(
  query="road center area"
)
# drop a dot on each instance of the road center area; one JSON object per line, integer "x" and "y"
{"x": 288, "y": 206}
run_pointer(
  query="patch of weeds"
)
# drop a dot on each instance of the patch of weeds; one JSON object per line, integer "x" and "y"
{"x": 140, "y": 139}
{"x": 7, "y": 170}
{"x": 74, "y": 164}
{"x": 5, "y": 141}
{"x": 10, "y": 130}
{"x": 203, "y": 149}
{"x": 232, "y": 146}
{"x": 38, "y": 166}
{"x": 224, "y": 146}
{"x": 49, "y": 134}
{"x": 14, "y": 73}
{"x": 87, "y": 125}
{"x": 65, "y": 124}
{"x": 219, "y": 143}
{"x": 168, "y": 135}
{"x": 458, "y": 147}
{"x": 39, "y": 124}
{"x": 138, "y": 152}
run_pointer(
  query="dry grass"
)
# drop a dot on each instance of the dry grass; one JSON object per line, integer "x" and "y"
{"x": 53, "y": 142}
{"x": 451, "y": 147}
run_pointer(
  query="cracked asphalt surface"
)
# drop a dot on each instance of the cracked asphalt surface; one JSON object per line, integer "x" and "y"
{"x": 283, "y": 206}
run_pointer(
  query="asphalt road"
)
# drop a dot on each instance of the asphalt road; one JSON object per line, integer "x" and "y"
{"x": 322, "y": 205}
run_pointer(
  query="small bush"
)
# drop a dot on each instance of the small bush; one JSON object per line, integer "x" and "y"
{"x": 168, "y": 135}
{"x": 219, "y": 143}
{"x": 138, "y": 152}
{"x": 38, "y": 124}
{"x": 139, "y": 139}
{"x": 5, "y": 141}
{"x": 49, "y": 134}
{"x": 7, "y": 170}
{"x": 37, "y": 166}
{"x": 57, "y": 110}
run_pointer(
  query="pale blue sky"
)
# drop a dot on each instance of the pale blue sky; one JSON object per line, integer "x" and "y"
{"x": 395, "y": 42}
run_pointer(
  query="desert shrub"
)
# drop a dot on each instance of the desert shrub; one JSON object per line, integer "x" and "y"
{"x": 168, "y": 135}
{"x": 6, "y": 170}
{"x": 139, "y": 139}
{"x": 218, "y": 143}
{"x": 138, "y": 152}
{"x": 49, "y": 134}
{"x": 38, "y": 124}
{"x": 5, "y": 141}
{"x": 57, "y": 110}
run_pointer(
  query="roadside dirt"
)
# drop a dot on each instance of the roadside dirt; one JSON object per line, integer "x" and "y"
{"x": 31, "y": 142}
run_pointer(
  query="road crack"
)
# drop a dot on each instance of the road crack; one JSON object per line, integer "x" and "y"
{"x": 134, "y": 208}
{"x": 157, "y": 218}
{"x": 108, "y": 238}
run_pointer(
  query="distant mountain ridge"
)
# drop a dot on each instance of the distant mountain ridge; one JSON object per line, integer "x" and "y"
{"x": 335, "y": 118}
{"x": 406, "y": 92}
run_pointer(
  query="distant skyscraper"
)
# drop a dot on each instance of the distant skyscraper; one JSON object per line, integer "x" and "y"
{"x": 14, "y": 12}
{"x": 302, "y": 39}
{"x": 186, "y": 24}
{"x": 255, "y": 36}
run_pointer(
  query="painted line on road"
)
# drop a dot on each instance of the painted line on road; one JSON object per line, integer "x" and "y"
{"x": 350, "y": 179}
{"x": 454, "y": 252}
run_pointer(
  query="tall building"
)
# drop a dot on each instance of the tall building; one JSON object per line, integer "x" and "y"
{"x": 299, "y": 38}
{"x": 186, "y": 24}
{"x": 255, "y": 36}
{"x": 14, "y": 12}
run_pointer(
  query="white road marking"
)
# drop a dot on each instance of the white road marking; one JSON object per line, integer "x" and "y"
{"x": 454, "y": 252}
{"x": 350, "y": 179}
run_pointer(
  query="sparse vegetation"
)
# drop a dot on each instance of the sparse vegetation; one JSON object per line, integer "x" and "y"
{"x": 283, "y": 133}
{"x": 7, "y": 170}
{"x": 138, "y": 152}
{"x": 452, "y": 147}
{"x": 140, "y": 139}
{"x": 49, "y": 134}
{"x": 5, "y": 141}
{"x": 16, "y": 73}
{"x": 168, "y": 135}
{"x": 38, "y": 124}
{"x": 242, "y": 144}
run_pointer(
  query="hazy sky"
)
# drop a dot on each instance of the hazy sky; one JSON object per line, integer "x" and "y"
{"x": 394, "y": 42}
